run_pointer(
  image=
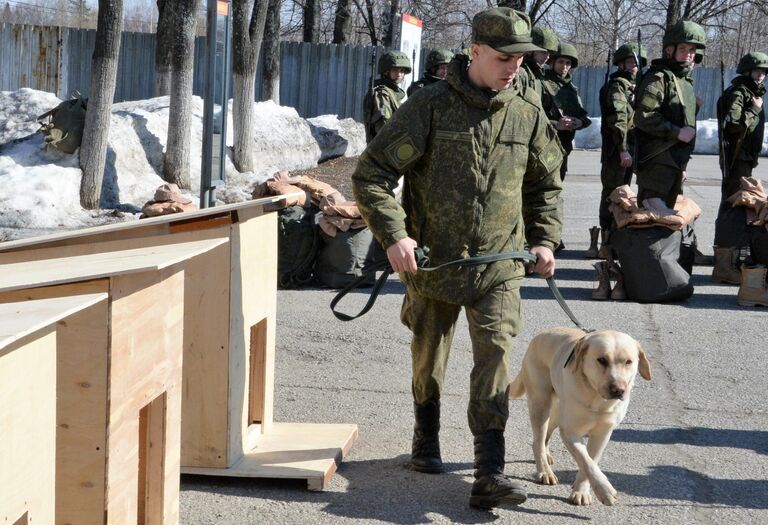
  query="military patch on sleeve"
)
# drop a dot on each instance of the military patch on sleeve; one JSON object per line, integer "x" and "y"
{"x": 402, "y": 152}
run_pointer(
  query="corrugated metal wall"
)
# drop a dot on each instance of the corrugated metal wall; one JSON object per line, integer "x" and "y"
{"x": 316, "y": 79}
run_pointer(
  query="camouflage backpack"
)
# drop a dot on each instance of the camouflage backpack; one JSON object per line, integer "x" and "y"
{"x": 64, "y": 127}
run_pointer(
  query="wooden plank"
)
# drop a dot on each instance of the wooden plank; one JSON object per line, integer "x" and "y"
{"x": 47, "y": 272}
{"x": 308, "y": 451}
{"x": 20, "y": 319}
{"x": 143, "y": 223}
{"x": 28, "y": 428}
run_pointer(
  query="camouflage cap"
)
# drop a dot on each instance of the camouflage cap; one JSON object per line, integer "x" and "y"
{"x": 504, "y": 29}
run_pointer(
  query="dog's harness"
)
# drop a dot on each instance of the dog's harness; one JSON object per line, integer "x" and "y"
{"x": 422, "y": 262}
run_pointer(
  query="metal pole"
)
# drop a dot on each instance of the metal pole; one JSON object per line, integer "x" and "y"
{"x": 208, "y": 100}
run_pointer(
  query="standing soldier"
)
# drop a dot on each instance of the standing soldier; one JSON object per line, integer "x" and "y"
{"x": 533, "y": 63}
{"x": 616, "y": 107}
{"x": 741, "y": 121}
{"x": 665, "y": 119}
{"x": 480, "y": 163}
{"x": 561, "y": 100}
{"x": 387, "y": 95}
{"x": 435, "y": 69}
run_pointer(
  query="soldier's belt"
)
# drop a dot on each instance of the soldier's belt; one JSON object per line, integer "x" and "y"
{"x": 422, "y": 261}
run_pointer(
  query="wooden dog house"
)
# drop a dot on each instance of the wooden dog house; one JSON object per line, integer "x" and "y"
{"x": 229, "y": 341}
{"x": 118, "y": 387}
{"x": 28, "y": 405}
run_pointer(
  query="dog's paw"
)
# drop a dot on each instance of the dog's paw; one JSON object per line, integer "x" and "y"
{"x": 546, "y": 478}
{"x": 606, "y": 494}
{"x": 578, "y": 497}
{"x": 550, "y": 459}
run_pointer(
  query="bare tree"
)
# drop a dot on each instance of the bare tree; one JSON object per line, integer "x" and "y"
{"x": 271, "y": 72}
{"x": 514, "y": 4}
{"x": 248, "y": 21}
{"x": 101, "y": 89}
{"x": 176, "y": 161}
{"x": 392, "y": 21}
{"x": 163, "y": 48}
{"x": 312, "y": 21}
{"x": 342, "y": 26}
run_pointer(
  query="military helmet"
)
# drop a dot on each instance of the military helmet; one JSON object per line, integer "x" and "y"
{"x": 568, "y": 51}
{"x": 685, "y": 32}
{"x": 392, "y": 59}
{"x": 750, "y": 61}
{"x": 437, "y": 57}
{"x": 626, "y": 51}
{"x": 545, "y": 38}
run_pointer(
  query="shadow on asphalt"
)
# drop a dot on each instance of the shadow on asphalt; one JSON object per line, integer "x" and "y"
{"x": 383, "y": 489}
{"x": 756, "y": 440}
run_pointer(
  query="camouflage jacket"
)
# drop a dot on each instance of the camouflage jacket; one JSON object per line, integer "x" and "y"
{"x": 561, "y": 98}
{"x": 742, "y": 122}
{"x": 426, "y": 80}
{"x": 533, "y": 74}
{"x": 481, "y": 173}
{"x": 379, "y": 105}
{"x": 616, "y": 128}
{"x": 665, "y": 103}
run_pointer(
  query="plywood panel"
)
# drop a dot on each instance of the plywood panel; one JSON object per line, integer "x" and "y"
{"x": 47, "y": 272}
{"x": 28, "y": 428}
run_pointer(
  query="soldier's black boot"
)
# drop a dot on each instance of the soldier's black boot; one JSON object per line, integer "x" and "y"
{"x": 425, "y": 454}
{"x": 491, "y": 488}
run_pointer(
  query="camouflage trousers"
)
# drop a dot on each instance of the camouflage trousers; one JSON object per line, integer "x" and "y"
{"x": 494, "y": 320}
{"x": 659, "y": 180}
{"x": 612, "y": 175}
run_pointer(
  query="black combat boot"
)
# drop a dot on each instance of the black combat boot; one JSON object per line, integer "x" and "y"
{"x": 491, "y": 488}
{"x": 425, "y": 454}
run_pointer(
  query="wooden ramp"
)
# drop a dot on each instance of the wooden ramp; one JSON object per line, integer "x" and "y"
{"x": 292, "y": 451}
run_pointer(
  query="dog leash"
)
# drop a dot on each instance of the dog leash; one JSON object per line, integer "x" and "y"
{"x": 422, "y": 262}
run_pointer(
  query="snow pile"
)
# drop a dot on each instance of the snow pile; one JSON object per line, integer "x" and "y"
{"x": 39, "y": 187}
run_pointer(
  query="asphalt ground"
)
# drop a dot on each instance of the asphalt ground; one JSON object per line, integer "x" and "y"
{"x": 692, "y": 449}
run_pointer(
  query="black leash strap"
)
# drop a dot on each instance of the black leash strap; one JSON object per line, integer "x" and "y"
{"x": 422, "y": 261}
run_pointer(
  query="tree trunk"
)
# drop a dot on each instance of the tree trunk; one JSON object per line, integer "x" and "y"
{"x": 270, "y": 88}
{"x": 101, "y": 92}
{"x": 389, "y": 36}
{"x": 370, "y": 23}
{"x": 248, "y": 18}
{"x": 673, "y": 12}
{"x": 164, "y": 48}
{"x": 312, "y": 16}
{"x": 342, "y": 26}
{"x": 176, "y": 162}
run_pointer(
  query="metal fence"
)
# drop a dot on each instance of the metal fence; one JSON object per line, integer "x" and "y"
{"x": 315, "y": 79}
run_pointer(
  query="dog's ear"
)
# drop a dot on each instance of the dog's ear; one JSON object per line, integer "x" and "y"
{"x": 643, "y": 366}
{"x": 579, "y": 352}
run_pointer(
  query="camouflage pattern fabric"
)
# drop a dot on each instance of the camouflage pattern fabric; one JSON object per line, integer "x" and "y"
{"x": 662, "y": 110}
{"x": 743, "y": 125}
{"x": 494, "y": 320}
{"x": 480, "y": 178}
{"x": 427, "y": 80}
{"x": 533, "y": 74}
{"x": 616, "y": 129}
{"x": 379, "y": 105}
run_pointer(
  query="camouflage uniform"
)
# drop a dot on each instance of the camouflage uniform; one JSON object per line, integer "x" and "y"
{"x": 534, "y": 73}
{"x": 743, "y": 125}
{"x": 382, "y": 102}
{"x": 435, "y": 58}
{"x": 561, "y": 98}
{"x": 666, "y": 103}
{"x": 616, "y": 129}
{"x": 480, "y": 173}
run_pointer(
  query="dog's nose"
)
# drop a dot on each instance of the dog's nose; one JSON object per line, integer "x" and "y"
{"x": 617, "y": 392}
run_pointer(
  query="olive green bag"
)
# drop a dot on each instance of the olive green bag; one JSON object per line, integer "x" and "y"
{"x": 63, "y": 126}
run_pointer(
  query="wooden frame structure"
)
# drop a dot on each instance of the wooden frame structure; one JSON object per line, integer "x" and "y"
{"x": 28, "y": 405}
{"x": 229, "y": 342}
{"x": 118, "y": 379}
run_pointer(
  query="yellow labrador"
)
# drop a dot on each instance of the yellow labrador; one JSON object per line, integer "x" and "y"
{"x": 579, "y": 382}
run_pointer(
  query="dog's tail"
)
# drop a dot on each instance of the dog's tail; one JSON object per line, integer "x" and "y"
{"x": 517, "y": 387}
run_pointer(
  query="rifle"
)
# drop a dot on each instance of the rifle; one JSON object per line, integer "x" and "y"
{"x": 720, "y": 124}
{"x": 638, "y": 79}
{"x": 373, "y": 69}
{"x": 607, "y": 66}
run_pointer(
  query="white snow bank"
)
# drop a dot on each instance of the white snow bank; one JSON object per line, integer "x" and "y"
{"x": 19, "y": 111}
